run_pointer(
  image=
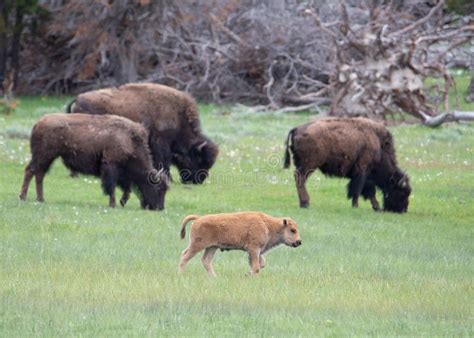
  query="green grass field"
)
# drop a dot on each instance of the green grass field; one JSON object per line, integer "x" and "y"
{"x": 73, "y": 267}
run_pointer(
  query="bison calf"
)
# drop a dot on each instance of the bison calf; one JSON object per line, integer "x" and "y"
{"x": 110, "y": 147}
{"x": 356, "y": 148}
{"x": 254, "y": 232}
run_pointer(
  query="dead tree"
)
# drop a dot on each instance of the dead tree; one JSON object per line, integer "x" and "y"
{"x": 381, "y": 66}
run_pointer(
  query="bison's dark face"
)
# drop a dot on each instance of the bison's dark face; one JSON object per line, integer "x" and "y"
{"x": 194, "y": 164}
{"x": 395, "y": 197}
{"x": 154, "y": 190}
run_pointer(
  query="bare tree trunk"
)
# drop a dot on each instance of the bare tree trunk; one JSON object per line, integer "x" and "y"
{"x": 128, "y": 62}
{"x": 470, "y": 90}
{"x": 3, "y": 39}
{"x": 15, "y": 48}
{"x": 470, "y": 94}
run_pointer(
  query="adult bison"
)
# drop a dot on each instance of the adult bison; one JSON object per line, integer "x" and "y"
{"x": 110, "y": 147}
{"x": 356, "y": 148}
{"x": 172, "y": 121}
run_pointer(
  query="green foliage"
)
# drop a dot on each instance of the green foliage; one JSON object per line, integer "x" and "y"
{"x": 73, "y": 267}
{"x": 7, "y": 106}
{"x": 463, "y": 7}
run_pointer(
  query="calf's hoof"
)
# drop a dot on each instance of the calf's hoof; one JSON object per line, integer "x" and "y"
{"x": 22, "y": 197}
{"x": 41, "y": 200}
{"x": 123, "y": 202}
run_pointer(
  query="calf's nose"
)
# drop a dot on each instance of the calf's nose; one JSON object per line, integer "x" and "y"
{"x": 298, "y": 243}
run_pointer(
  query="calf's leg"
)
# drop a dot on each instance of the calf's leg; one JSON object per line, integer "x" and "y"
{"x": 187, "y": 254}
{"x": 262, "y": 261}
{"x": 254, "y": 261}
{"x": 207, "y": 260}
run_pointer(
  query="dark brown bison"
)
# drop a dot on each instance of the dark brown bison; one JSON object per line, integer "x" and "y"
{"x": 110, "y": 147}
{"x": 356, "y": 148}
{"x": 172, "y": 121}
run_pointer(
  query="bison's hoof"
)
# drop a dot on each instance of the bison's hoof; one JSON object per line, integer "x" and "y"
{"x": 123, "y": 202}
{"x": 304, "y": 204}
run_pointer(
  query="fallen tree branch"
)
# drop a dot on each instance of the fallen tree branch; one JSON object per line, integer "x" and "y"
{"x": 438, "y": 120}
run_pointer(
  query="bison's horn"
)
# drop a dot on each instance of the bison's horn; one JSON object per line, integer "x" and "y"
{"x": 202, "y": 145}
{"x": 403, "y": 181}
{"x": 154, "y": 176}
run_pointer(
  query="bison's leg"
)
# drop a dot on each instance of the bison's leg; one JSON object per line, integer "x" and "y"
{"x": 187, "y": 254}
{"x": 161, "y": 154}
{"x": 300, "y": 179}
{"x": 125, "y": 197}
{"x": 40, "y": 168}
{"x": 369, "y": 193}
{"x": 26, "y": 182}
{"x": 262, "y": 261}
{"x": 375, "y": 203}
{"x": 254, "y": 261}
{"x": 112, "y": 199}
{"x": 109, "y": 177}
{"x": 126, "y": 187}
{"x": 355, "y": 188}
{"x": 39, "y": 176}
{"x": 207, "y": 260}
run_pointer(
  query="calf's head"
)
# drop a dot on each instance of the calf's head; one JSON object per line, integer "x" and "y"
{"x": 194, "y": 163}
{"x": 154, "y": 190}
{"x": 396, "y": 194}
{"x": 291, "y": 236}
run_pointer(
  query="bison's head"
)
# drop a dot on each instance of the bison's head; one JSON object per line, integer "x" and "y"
{"x": 195, "y": 162}
{"x": 395, "y": 196}
{"x": 154, "y": 190}
{"x": 291, "y": 236}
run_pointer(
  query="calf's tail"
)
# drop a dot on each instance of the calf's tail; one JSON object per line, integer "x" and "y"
{"x": 185, "y": 221}
{"x": 287, "y": 160}
{"x": 69, "y": 106}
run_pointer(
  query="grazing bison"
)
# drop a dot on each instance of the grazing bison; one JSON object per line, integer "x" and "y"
{"x": 254, "y": 232}
{"x": 110, "y": 147}
{"x": 356, "y": 148}
{"x": 172, "y": 121}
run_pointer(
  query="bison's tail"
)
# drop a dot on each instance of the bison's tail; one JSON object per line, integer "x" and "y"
{"x": 287, "y": 160}
{"x": 184, "y": 222}
{"x": 69, "y": 106}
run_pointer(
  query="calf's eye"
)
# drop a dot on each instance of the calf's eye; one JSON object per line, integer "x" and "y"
{"x": 293, "y": 231}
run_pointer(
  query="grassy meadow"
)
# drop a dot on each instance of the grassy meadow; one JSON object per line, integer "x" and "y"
{"x": 73, "y": 267}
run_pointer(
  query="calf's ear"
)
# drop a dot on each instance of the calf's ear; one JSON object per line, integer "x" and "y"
{"x": 285, "y": 222}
